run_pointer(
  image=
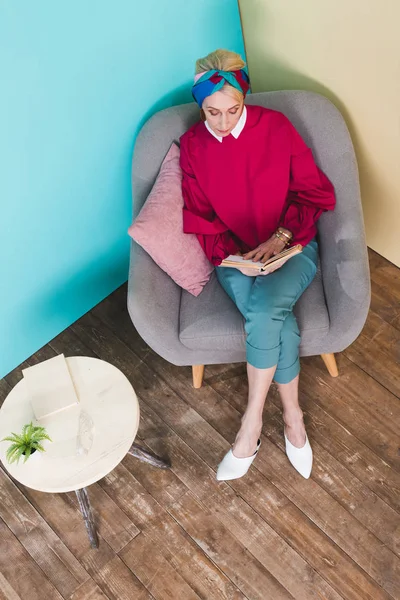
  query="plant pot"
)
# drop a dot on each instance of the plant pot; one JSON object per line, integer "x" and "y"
{"x": 34, "y": 455}
{"x": 32, "y": 452}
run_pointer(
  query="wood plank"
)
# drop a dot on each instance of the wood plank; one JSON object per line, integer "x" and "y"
{"x": 112, "y": 523}
{"x": 7, "y": 592}
{"x": 23, "y": 576}
{"x": 66, "y": 520}
{"x": 344, "y": 575}
{"x": 157, "y": 574}
{"x": 100, "y": 563}
{"x": 15, "y": 375}
{"x": 5, "y": 389}
{"x": 376, "y": 260}
{"x": 169, "y": 489}
{"x": 377, "y": 352}
{"x": 292, "y": 571}
{"x": 224, "y": 549}
{"x": 168, "y": 537}
{"x": 88, "y": 591}
{"x": 352, "y": 453}
{"x": 385, "y": 288}
{"x": 375, "y": 326}
{"x": 106, "y": 569}
{"x": 385, "y": 304}
{"x": 52, "y": 556}
{"x": 366, "y": 392}
{"x": 386, "y": 275}
{"x": 311, "y": 542}
{"x": 119, "y": 583}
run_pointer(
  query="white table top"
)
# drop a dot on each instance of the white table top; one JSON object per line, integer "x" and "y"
{"x": 88, "y": 440}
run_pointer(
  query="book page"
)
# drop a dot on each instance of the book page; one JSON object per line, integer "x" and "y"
{"x": 242, "y": 262}
{"x": 289, "y": 252}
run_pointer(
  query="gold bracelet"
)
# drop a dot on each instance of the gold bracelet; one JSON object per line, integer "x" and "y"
{"x": 282, "y": 239}
{"x": 289, "y": 237}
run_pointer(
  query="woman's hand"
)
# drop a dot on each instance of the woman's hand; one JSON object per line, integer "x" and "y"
{"x": 248, "y": 272}
{"x": 264, "y": 251}
{"x": 253, "y": 272}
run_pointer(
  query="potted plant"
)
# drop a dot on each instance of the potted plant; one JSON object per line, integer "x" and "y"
{"x": 27, "y": 443}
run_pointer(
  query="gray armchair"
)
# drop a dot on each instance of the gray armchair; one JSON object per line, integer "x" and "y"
{"x": 209, "y": 329}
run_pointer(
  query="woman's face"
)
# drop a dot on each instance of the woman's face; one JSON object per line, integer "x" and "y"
{"x": 222, "y": 112}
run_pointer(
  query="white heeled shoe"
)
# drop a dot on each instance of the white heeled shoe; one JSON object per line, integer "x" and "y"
{"x": 232, "y": 467}
{"x": 301, "y": 458}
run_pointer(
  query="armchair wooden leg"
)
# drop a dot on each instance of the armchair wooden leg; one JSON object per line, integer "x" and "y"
{"x": 198, "y": 372}
{"x": 330, "y": 363}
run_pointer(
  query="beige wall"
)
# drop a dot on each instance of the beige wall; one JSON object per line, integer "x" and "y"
{"x": 348, "y": 50}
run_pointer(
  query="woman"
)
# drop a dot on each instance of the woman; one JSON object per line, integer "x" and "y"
{"x": 251, "y": 187}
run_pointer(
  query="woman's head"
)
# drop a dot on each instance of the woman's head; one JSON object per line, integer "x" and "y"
{"x": 222, "y": 109}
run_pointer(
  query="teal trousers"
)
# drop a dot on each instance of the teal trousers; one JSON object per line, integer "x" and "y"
{"x": 266, "y": 303}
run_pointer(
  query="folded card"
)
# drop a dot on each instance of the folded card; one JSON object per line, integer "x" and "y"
{"x": 50, "y": 387}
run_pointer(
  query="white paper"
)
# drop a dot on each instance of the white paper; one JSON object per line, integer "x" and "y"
{"x": 50, "y": 387}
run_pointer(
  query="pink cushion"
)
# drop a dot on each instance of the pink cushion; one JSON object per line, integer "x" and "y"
{"x": 159, "y": 230}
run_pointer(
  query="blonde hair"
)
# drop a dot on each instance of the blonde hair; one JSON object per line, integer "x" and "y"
{"x": 223, "y": 60}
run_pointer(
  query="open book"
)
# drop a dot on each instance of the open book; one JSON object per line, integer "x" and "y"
{"x": 238, "y": 262}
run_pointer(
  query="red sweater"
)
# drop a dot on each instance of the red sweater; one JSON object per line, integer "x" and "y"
{"x": 238, "y": 191}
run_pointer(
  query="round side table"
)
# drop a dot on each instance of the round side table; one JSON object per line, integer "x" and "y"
{"x": 88, "y": 440}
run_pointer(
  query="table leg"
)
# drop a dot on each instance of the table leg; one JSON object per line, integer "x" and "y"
{"x": 86, "y": 511}
{"x": 146, "y": 456}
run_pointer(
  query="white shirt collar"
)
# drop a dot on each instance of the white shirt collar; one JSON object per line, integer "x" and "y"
{"x": 236, "y": 131}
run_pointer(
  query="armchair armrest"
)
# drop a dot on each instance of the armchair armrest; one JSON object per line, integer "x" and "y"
{"x": 344, "y": 260}
{"x": 154, "y": 303}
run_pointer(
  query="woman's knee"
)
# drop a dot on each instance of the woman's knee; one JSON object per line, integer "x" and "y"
{"x": 262, "y": 329}
{"x": 268, "y": 315}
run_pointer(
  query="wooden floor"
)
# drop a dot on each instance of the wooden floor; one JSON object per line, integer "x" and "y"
{"x": 180, "y": 534}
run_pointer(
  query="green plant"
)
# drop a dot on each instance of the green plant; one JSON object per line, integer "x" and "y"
{"x": 26, "y": 443}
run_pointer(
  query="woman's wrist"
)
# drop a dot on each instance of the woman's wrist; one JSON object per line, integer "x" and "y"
{"x": 280, "y": 238}
{"x": 284, "y": 235}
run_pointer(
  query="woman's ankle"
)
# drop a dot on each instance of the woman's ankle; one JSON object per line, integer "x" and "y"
{"x": 293, "y": 417}
{"x": 246, "y": 440}
{"x": 251, "y": 424}
{"x": 252, "y": 416}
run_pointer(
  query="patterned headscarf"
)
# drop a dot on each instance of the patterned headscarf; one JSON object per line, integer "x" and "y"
{"x": 208, "y": 82}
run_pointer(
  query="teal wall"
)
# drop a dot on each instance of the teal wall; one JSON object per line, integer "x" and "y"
{"x": 78, "y": 80}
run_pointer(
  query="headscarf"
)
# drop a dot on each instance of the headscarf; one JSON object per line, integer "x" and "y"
{"x": 208, "y": 82}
